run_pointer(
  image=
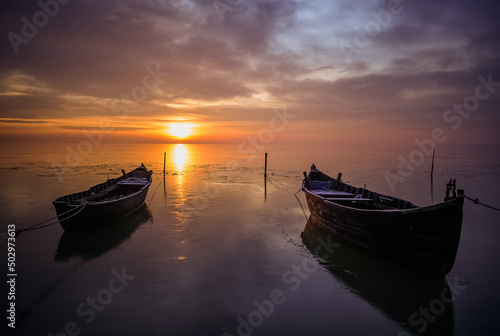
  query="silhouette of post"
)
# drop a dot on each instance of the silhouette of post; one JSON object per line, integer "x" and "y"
{"x": 265, "y": 167}
{"x": 164, "y": 161}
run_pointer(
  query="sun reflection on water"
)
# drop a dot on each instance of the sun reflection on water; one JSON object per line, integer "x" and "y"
{"x": 180, "y": 157}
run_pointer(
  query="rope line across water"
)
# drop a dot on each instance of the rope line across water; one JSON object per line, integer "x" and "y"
{"x": 476, "y": 201}
{"x": 37, "y": 226}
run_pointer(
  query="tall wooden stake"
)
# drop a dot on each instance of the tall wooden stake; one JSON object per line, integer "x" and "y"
{"x": 164, "y": 160}
{"x": 265, "y": 167}
{"x": 265, "y": 178}
{"x": 432, "y": 176}
{"x": 432, "y": 167}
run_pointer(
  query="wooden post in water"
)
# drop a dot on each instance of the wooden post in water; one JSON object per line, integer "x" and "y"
{"x": 265, "y": 167}
{"x": 432, "y": 167}
{"x": 164, "y": 160}
{"x": 265, "y": 177}
{"x": 432, "y": 176}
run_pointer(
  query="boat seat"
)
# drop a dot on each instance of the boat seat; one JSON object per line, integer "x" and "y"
{"x": 320, "y": 185}
{"x": 93, "y": 196}
{"x": 347, "y": 199}
{"x": 134, "y": 181}
{"x": 336, "y": 193}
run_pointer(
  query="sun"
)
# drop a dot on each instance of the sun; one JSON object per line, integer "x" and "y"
{"x": 180, "y": 130}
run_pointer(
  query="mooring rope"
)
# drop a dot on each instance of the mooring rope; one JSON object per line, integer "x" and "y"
{"x": 34, "y": 227}
{"x": 154, "y": 193}
{"x": 37, "y": 225}
{"x": 271, "y": 180}
{"x": 300, "y": 202}
{"x": 476, "y": 201}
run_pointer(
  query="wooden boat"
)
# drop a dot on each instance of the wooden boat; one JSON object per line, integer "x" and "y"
{"x": 425, "y": 237}
{"x": 104, "y": 202}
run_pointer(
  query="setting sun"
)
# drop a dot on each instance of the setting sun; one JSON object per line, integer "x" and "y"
{"x": 180, "y": 130}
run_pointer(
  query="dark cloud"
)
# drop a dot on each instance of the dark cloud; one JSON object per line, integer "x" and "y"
{"x": 115, "y": 128}
{"x": 22, "y": 121}
{"x": 32, "y": 106}
{"x": 486, "y": 44}
{"x": 400, "y": 35}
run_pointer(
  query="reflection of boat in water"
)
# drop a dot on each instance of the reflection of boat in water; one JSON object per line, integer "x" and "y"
{"x": 421, "y": 302}
{"x": 426, "y": 237}
{"x": 104, "y": 202}
{"x": 88, "y": 245}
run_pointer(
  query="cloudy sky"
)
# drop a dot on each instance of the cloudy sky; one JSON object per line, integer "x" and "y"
{"x": 365, "y": 73}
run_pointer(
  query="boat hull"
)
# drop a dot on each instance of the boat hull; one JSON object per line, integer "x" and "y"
{"x": 76, "y": 215}
{"x": 95, "y": 215}
{"x": 425, "y": 237}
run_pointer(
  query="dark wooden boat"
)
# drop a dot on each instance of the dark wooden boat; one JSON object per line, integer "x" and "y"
{"x": 425, "y": 237}
{"x": 105, "y": 202}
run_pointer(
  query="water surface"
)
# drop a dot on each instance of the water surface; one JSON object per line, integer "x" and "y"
{"x": 217, "y": 252}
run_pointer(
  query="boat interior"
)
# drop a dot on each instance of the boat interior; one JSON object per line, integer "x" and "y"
{"x": 361, "y": 198}
{"x": 113, "y": 193}
{"x": 112, "y": 189}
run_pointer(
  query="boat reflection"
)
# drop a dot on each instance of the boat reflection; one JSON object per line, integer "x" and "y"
{"x": 420, "y": 302}
{"x": 92, "y": 244}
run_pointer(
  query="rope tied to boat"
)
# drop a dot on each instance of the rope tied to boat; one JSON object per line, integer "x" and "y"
{"x": 300, "y": 203}
{"x": 37, "y": 226}
{"x": 476, "y": 201}
{"x": 154, "y": 193}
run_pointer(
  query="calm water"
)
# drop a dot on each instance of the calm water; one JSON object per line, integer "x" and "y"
{"x": 216, "y": 252}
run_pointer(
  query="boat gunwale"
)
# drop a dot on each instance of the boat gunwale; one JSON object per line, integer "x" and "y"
{"x": 416, "y": 208}
{"x": 425, "y": 208}
{"x": 65, "y": 199}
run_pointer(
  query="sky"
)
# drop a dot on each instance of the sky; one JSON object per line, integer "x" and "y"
{"x": 367, "y": 73}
